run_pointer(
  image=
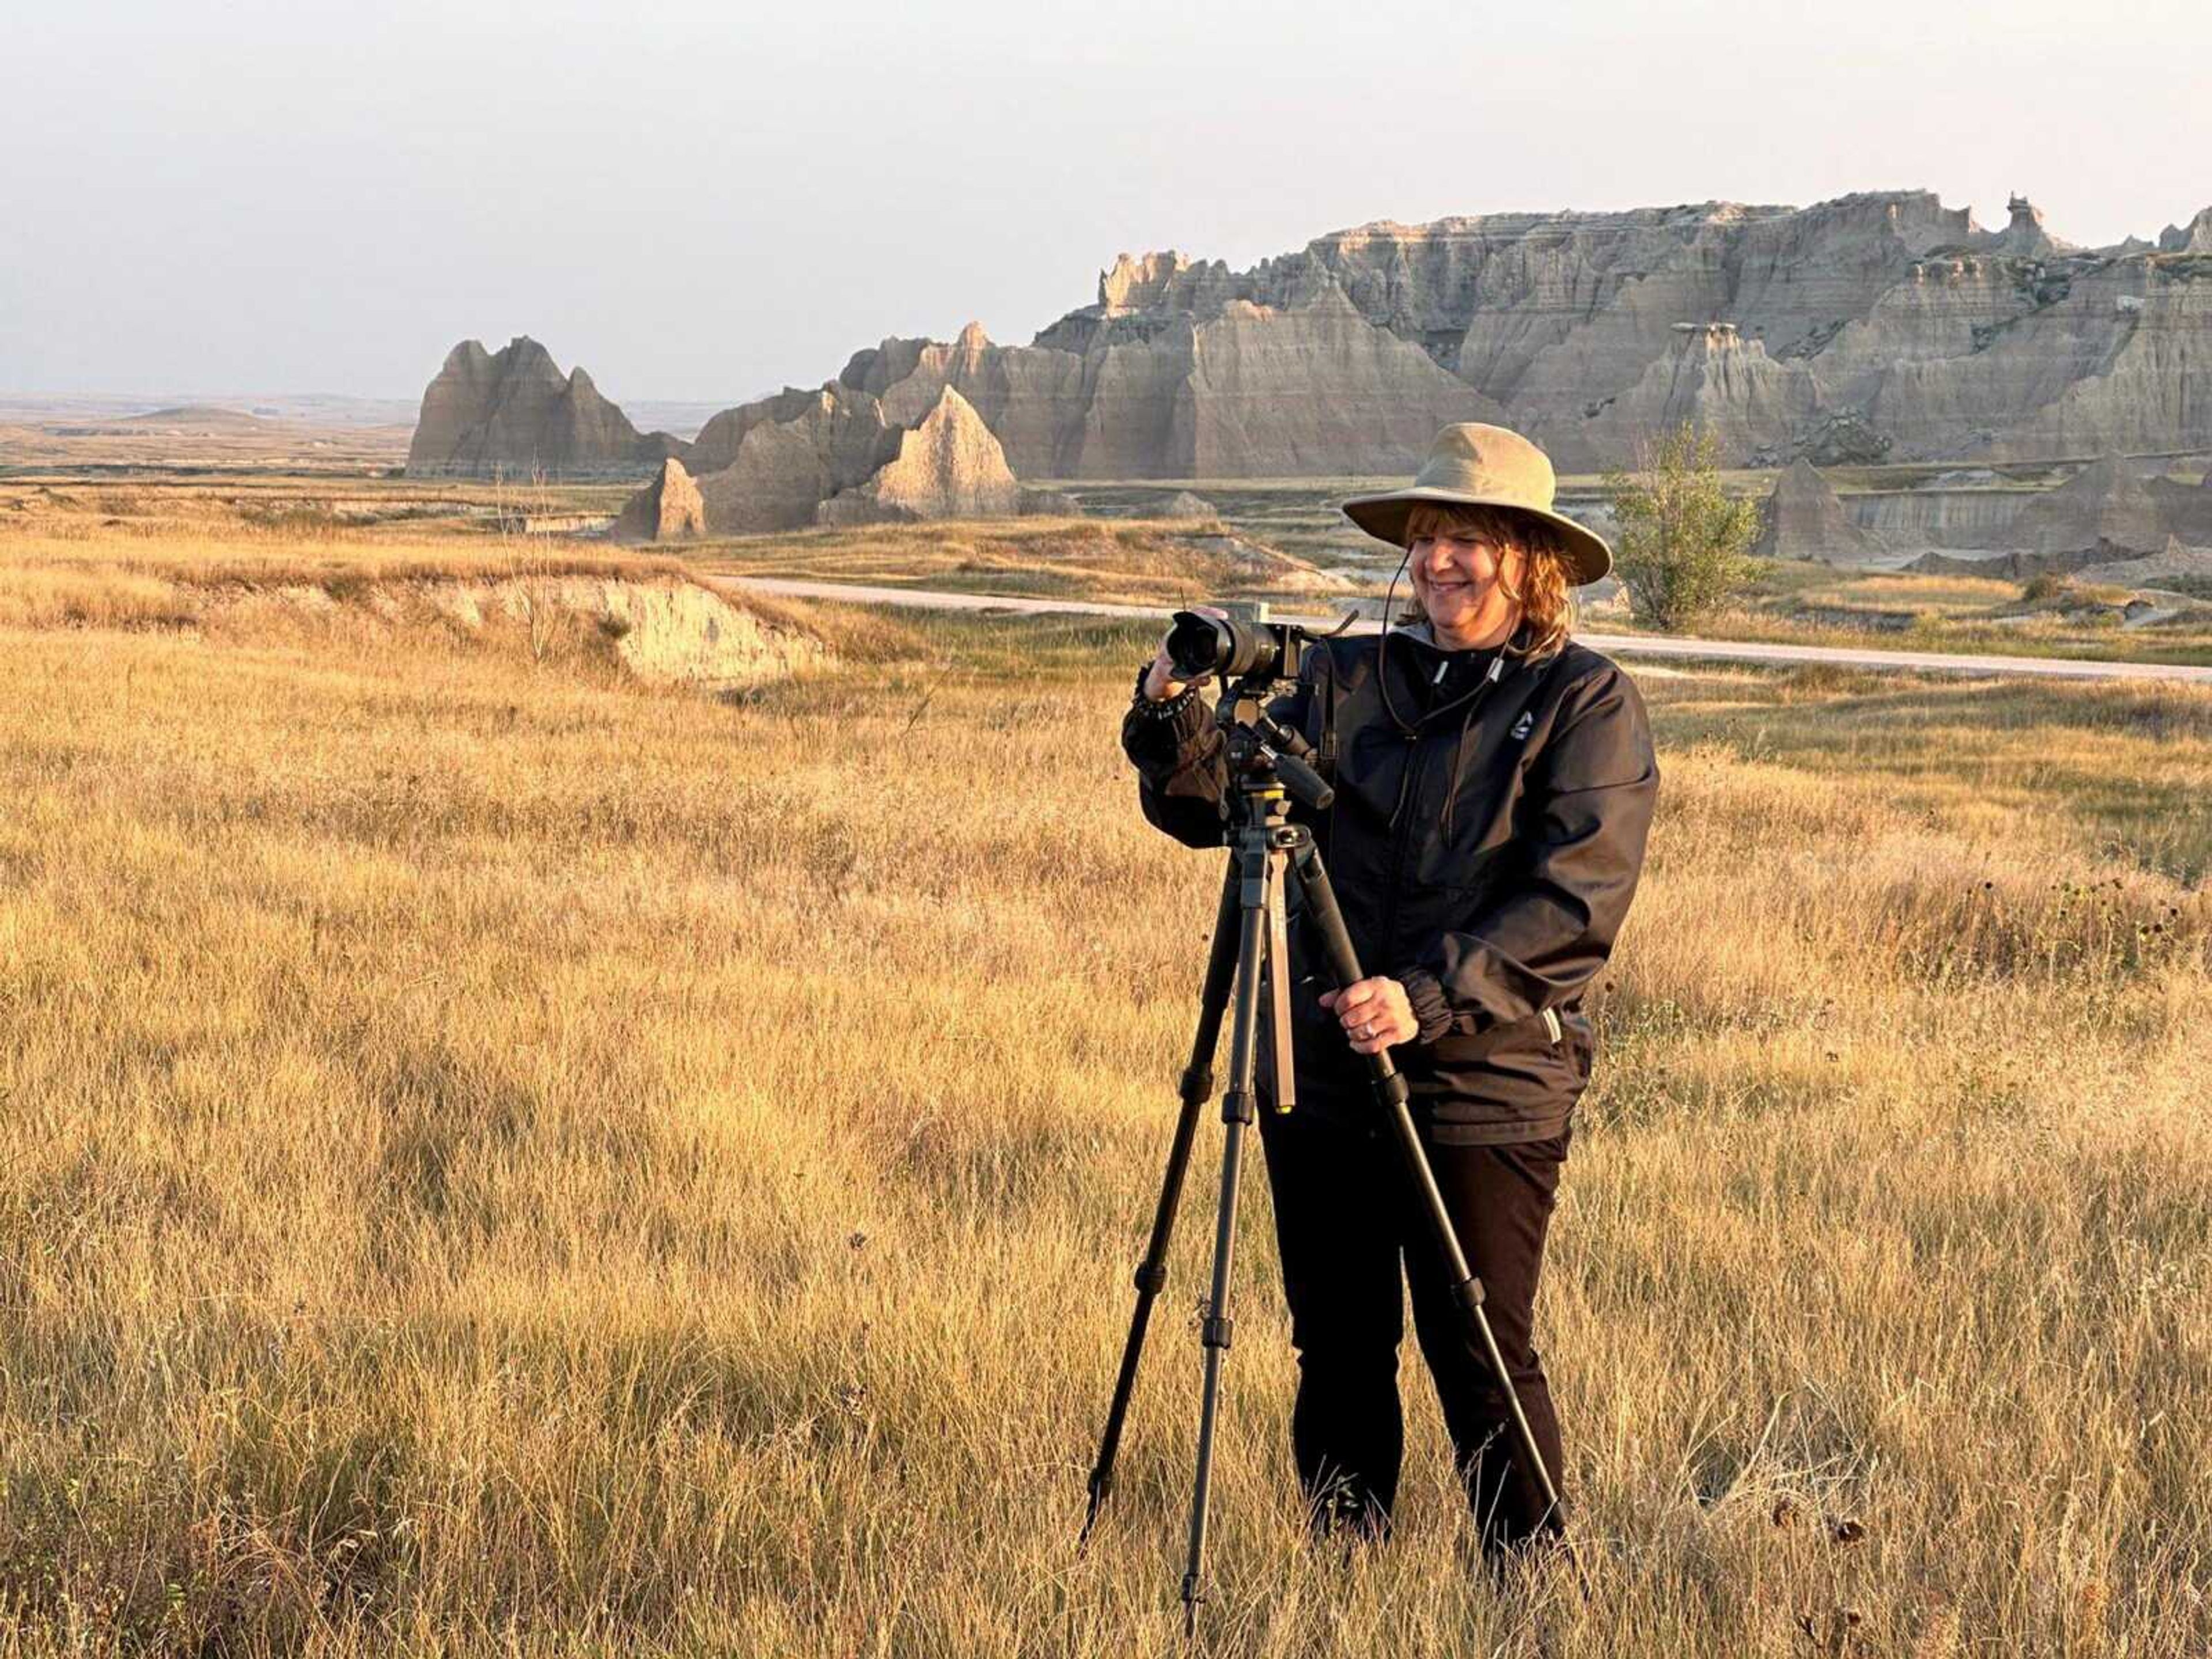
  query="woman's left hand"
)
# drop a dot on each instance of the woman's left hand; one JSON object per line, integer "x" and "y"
{"x": 1375, "y": 1014}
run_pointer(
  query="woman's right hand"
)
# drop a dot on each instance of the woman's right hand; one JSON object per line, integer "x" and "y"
{"x": 1160, "y": 682}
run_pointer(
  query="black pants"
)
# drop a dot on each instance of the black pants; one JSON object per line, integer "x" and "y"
{"x": 1346, "y": 1215}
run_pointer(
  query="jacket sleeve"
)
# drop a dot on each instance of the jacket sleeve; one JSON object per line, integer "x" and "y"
{"x": 1181, "y": 773}
{"x": 1545, "y": 935}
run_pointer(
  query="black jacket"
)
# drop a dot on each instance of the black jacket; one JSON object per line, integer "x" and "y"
{"x": 1484, "y": 858}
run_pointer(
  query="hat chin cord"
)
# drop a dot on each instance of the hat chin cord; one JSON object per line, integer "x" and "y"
{"x": 1509, "y": 648}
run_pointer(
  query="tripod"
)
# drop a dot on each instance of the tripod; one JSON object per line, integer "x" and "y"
{"x": 1268, "y": 769}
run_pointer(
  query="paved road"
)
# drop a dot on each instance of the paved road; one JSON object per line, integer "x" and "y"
{"x": 1626, "y": 645}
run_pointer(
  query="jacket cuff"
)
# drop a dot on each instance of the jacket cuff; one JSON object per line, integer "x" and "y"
{"x": 1163, "y": 741}
{"x": 1432, "y": 1012}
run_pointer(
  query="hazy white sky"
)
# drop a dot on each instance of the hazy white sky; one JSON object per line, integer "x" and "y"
{"x": 704, "y": 201}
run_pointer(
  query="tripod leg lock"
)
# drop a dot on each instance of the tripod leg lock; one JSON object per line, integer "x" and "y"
{"x": 1236, "y": 1108}
{"x": 1151, "y": 1277}
{"x": 1197, "y": 1082}
{"x": 1468, "y": 1293}
{"x": 1217, "y": 1331}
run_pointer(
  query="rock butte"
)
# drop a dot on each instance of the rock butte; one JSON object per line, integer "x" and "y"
{"x": 512, "y": 412}
{"x": 947, "y": 465}
{"x": 670, "y": 508}
{"x": 2103, "y": 507}
{"x": 1804, "y": 519}
{"x": 1879, "y": 326}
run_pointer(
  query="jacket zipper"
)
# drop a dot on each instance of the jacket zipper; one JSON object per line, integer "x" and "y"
{"x": 1401, "y": 837}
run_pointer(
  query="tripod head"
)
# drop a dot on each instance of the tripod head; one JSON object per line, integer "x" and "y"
{"x": 1266, "y": 757}
{"x": 1267, "y": 760}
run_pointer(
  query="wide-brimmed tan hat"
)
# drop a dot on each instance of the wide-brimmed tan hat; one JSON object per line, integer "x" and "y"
{"x": 1471, "y": 465}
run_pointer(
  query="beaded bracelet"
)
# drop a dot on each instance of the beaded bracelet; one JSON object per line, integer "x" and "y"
{"x": 1166, "y": 708}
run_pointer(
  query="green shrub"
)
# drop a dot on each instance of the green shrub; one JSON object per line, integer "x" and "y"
{"x": 1682, "y": 545}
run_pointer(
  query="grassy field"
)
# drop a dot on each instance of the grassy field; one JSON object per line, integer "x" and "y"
{"x": 1287, "y": 541}
{"x": 1280, "y": 539}
{"x": 498, "y": 1158}
{"x": 1804, "y": 604}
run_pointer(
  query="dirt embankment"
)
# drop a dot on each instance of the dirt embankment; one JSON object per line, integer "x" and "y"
{"x": 661, "y": 630}
{"x": 652, "y": 626}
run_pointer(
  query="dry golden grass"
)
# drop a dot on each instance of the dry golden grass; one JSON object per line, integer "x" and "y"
{"x": 1812, "y": 604}
{"x": 499, "y": 1160}
{"x": 1823, "y": 587}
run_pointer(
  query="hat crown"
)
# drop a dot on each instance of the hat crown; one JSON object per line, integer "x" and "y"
{"x": 1471, "y": 458}
{"x": 1472, "y": 465}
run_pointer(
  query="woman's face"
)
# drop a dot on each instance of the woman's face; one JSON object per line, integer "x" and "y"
{"x": 1457, "y": 576}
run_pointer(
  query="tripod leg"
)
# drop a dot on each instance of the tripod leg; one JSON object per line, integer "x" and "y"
{"x": 1261, "y": 874}
{"x": 1390, "y": 1089}
{"x": 1280, "y": 1066}
{"x": 1151, "y": 1277}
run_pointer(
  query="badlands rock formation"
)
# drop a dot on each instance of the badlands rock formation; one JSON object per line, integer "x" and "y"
{"x": 1251, "y": 389}
{"x": 2103, "y": 515}
{"x": 668, "y": 509}
{"x": 947, "y": 466}
{"x": 1968, "y": 520}
{"x": 2104, "y": 510}
{"x": 513, "y": 412}
{"x": 836, "y": 457}
{"x": 1804, "y": 519}
{"x": 2013, "y": 567}
{"x": 788, "y": 464}
{"x": 1871, "y": 327}
{"x": 1881, "y": 326}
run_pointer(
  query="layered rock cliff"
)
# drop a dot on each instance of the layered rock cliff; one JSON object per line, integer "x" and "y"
{"x": 1878, "y": 326}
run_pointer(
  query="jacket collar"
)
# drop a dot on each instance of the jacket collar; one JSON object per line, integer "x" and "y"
{"x": 1419, "y": 633}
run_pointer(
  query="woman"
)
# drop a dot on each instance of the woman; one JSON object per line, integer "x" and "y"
{"x": 1494, "y": 784}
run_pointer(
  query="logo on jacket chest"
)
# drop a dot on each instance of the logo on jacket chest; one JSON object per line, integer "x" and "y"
{"x": 1524, "y": 725}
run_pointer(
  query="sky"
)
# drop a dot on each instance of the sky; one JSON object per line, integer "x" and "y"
{"x": 705, "y": 201}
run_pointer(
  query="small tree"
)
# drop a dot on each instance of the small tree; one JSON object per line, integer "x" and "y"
{"x": 1681, "y": 550}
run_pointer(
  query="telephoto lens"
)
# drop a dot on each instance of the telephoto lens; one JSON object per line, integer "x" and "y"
{"x": 1233, "y": 647}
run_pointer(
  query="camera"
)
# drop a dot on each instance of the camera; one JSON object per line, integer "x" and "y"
{"x": 1243, "y": 644}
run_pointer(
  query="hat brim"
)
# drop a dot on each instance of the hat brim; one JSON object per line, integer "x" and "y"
{"x": 1384, "y": 517}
